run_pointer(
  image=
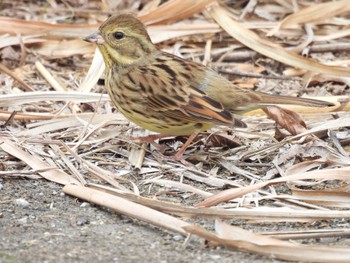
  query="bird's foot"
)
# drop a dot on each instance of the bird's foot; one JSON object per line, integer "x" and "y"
{"x": 178, "y": 157}
{"x": 151, "y": 140}
{"x": 173, "y": 158}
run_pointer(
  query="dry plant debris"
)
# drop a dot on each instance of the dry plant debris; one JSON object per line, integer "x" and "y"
{"x": 57, "y": 124}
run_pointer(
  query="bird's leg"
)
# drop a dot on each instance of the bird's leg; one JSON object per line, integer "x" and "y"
{"x": 151, "y": 139}
{"x": 179, "y": 154}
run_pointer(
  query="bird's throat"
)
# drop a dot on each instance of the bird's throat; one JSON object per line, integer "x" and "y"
{"x": 114, "y": 58}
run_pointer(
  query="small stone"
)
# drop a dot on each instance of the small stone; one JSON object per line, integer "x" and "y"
{"x": 214, "y": 257}
{"x": 23, "y": 220}
{"x": 178, "y": 237}
{"x": 21, "y": 202}
{"x": 1, "y": 186}
{"x": 82, "y": 221}
{"x": 84, "y": 204}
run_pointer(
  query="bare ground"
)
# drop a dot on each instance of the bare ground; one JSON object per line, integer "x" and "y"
{"x": 55, "y": 227}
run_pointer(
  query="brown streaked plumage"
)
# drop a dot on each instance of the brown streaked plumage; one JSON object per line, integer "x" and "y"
{"x": 167, "y": 94}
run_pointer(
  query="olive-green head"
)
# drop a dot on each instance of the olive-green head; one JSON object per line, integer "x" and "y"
{"x": 122, "y": 40}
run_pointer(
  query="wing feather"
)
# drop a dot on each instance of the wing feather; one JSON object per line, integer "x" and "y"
{"x": 175, "y": 96}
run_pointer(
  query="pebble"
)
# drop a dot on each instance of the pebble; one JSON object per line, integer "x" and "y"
{"x": 178, "y": 237}
{"x": 23, "y": 220}
{"x": 21, "y": 202}
{"x": 214, "y": 257}
{"x": 82, "y": 221}
{"x": 84, "y": 204}
{"x": 1, "y": 186}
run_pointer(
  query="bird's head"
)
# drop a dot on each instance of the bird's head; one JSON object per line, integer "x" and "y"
{"x": 122, "y": 40}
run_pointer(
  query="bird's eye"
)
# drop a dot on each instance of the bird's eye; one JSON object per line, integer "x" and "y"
{"x": 118, "y": 35}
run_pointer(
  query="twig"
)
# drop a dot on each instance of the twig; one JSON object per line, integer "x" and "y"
{"x": 10, "y": 119}
{"x": 13, "y": 75}
{"x": 318, "y": 233}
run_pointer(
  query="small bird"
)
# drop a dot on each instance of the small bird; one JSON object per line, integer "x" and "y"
{"x": 166, "y": 94}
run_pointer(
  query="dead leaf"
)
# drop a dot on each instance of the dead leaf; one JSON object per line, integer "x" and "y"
{"x": 289, "y": 120}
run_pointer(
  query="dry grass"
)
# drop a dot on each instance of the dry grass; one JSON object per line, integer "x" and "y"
{"x": 56, "y": 123}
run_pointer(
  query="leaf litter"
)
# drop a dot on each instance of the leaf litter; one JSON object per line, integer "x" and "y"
{"x": 57, "y": 123}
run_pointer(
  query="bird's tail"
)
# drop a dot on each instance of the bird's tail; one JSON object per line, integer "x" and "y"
{"x": 267, "y": 99}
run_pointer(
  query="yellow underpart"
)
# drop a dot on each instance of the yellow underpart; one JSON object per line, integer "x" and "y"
{"x": 148, "y": 123}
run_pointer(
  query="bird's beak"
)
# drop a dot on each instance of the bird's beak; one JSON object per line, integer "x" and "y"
{"x": 95, "y": 38}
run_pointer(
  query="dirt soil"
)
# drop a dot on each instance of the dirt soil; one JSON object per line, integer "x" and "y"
{"x": 49, "y": 226}
{"x": 55, "y": 227}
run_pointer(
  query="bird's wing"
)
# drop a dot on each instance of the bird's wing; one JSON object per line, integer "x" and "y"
{"x": 194, "y": 106}
{"x": 177, "y": 98}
